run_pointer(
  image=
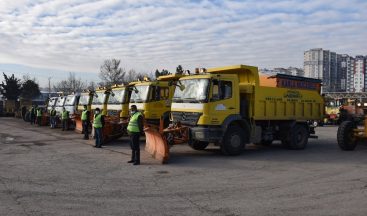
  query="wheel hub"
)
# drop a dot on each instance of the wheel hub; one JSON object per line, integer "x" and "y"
{"x": 235, "y": 141}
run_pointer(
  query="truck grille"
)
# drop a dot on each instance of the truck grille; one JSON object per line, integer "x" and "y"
{"x": 113, "y": 112}
{"x": 186, "y": 118}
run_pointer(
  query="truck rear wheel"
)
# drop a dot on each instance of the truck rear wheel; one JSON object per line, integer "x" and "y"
{"x": 345, "y": 136}
{"x": 233, "y": 141}
{"x": 297, "y": 138}
{"x": 198, "y": 145}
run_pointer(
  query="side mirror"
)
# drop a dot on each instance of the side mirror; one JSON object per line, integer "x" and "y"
{"x": 182, "y": 87}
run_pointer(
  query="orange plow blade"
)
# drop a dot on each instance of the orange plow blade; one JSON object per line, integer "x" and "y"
{"x": 156, "y": 144}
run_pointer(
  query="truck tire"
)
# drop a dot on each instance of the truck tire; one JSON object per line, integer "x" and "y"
{"x": 198, "y": 145}
{"x": 233, "y": 142}
{"x": 345, "y": 138}
{"x": 27, "y": 117}
{"x": 298, "y": 137}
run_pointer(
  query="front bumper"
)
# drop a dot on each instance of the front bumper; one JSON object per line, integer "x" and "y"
{"x": 206, "y": 134}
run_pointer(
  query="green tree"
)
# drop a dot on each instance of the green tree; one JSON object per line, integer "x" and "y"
{"x": 11, "y": 87}
{"x": 30, "y": 88}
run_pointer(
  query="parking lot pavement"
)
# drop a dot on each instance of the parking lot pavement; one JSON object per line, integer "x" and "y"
{"x": 50, "y": 172}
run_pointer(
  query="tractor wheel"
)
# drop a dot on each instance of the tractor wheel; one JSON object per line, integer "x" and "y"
{"x": 233, "y": 141}
{"x": 198, "y": 145}
{"x": 297, "y": 138}
{"x": 345, "y": 136}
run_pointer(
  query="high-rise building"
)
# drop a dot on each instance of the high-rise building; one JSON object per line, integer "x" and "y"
{"x": 323, "y": 64}
{"x": 346, "y": 73}
{"x": 339, "y": 73}
{"x": 359, "y": 74}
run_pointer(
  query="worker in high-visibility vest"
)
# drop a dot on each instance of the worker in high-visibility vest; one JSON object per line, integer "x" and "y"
{"x": 98, "y": 124}
{"x": 85, "y": 122}
{"x": 53, "y": 117}
{"x": 32, "y": 114}
{"x": 39, "y": 116}
{"x": 135, "y": 129}
{"x": 65, "y": 119}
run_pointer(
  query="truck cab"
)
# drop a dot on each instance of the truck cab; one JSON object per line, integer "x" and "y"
{"x": 100, "y": 99}
{"x": 85, "y": 99}
{"x": 59, "y": 105}
{"x": 154, "y": 98}
{"x": 71, "y": 103}
{"x": 51, "y": 103}
{"x": 118, "y": 102}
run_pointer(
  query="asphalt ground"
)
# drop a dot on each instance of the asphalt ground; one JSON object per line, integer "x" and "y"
{"x": 50, "y": 172}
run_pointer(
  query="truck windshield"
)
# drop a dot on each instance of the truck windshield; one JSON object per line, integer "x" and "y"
{"x": 70, "y": 100}
{"x": 60, "y": 101}
{"x": 51, "y": 102}
{"x": 117, "y": 97}
{"x": 139, "y": 94}
{"x": 195, "y": 91}
{"x": 84, "y": 99}
{"x": 99, "y": 98}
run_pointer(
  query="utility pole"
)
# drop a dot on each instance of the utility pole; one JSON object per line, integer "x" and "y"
{"x": 49, "y": 86}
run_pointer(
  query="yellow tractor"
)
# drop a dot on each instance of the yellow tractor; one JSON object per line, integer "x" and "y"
{"x": 349, "y": 134}
{"x": 229, "y": 107}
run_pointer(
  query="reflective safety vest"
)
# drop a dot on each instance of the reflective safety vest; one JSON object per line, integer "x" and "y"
{"x": 84, "y": 115}
{"x": 53, "y": 112}
{"x": 64, "y": 115}
{"x": 97, "y": 123}
{"x": 133, "y": 125}
{"x": 39, "y": 113}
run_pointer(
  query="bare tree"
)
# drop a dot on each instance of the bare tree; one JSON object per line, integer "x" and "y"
{"x": 111, "y": 73}
{"x": 70, "y": 85}
{"x": 92, "y": 86}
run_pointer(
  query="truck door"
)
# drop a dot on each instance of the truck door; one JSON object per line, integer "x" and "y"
{"x": 222, "y": 100}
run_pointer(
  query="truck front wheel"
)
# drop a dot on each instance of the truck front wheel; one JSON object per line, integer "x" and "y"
{"x": 345, "y": 136}
{"x": 198, "y": 145}
{"x": 233, "y": 141}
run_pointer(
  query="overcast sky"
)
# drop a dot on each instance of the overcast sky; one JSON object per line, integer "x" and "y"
{"x": 53, "y": 37}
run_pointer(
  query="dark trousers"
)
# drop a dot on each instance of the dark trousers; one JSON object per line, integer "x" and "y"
{"x": 65, "y": 124}
{"x": 98, "y": 136}
{"x": 32, "y": 119}
{"x": 39, "y": 120}
{"x": 135, "y": 147}
{"x": 85, "y": 125}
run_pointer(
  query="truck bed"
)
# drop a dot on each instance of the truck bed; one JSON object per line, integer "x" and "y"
{"x": 275, "y": 103}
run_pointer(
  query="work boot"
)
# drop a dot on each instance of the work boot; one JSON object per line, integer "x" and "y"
{"x": 137, "y": 158}
{"x": 132, "y": 157}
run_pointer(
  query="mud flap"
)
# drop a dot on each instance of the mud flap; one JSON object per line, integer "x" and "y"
{"x": 156, "y": 144}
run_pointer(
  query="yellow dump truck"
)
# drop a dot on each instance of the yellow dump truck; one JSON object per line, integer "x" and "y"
{"x": 227, "y": 106}
{"x": 154, "y": 98}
